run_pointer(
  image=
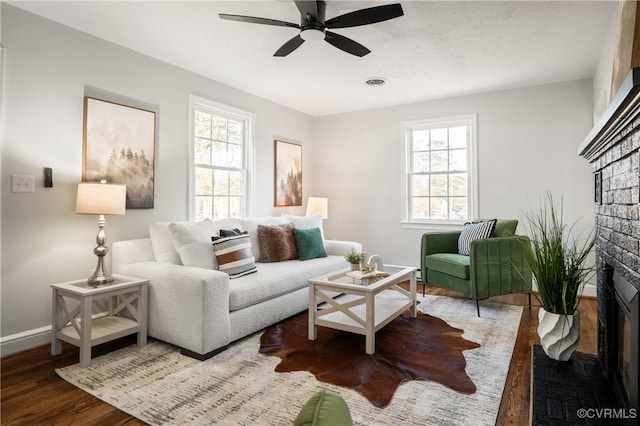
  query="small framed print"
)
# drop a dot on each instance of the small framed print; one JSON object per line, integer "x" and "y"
{"x": 288, "y": 174}
{"x": 597, "y": 187}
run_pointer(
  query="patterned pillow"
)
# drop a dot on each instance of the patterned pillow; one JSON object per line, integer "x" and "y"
{"x": 228, "y": 233}
{"x": 277, "y": 243}
{"x": 234, "y": 255}
{"x": 474, "y": 231}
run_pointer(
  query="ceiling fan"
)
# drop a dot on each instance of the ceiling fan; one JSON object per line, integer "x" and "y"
{"x": 314, "y": 27}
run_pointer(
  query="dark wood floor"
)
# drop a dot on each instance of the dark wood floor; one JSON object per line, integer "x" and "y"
{"x": 32, "y": 393}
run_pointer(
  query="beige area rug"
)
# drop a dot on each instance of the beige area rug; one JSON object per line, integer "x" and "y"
{"x": 240, "y": 387}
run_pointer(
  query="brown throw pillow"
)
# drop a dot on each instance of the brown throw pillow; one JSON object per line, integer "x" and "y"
{"x": 277, "y": 243}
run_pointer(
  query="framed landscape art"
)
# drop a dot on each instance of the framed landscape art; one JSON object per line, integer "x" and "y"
{"x": 288, "y": 174}
{"x": 119, "y": 146}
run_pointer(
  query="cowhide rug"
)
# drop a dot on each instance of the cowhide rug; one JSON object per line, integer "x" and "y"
{"x": 407, "y": 348}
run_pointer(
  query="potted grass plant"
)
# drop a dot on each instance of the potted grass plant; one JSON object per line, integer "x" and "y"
{"x": 558, "y": 262}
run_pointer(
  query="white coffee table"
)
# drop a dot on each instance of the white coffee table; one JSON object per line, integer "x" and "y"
{"x": 363, "y": 306}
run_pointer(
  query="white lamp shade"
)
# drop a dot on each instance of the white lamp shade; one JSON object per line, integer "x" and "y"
{"x": 101, "y": 198}
{"x": 318, "y": 205}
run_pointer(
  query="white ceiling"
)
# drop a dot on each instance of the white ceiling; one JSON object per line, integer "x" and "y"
{"x": 436, "y": 50}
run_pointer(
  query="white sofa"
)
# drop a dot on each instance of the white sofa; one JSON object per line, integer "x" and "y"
{"x": 200, "y": 309}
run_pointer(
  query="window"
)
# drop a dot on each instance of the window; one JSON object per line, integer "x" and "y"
{"x": 220, "y": 160}
{"x": 439, "y": 183}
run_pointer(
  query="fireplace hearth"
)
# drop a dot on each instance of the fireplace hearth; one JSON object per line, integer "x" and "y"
{"x": 603, "y": 389}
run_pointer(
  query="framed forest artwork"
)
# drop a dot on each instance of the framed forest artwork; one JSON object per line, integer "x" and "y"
{"x": 288, "y": 174}
{"x": 119, "y": 146}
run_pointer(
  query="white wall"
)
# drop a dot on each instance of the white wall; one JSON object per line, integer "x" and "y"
{"x": 604, "y": 70}
{"x": 48, "y": 69}
{"x": 527, "y": 140}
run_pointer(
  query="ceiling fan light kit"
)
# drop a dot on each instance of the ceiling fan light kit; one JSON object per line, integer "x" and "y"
{"x": 313, "y": 26}
{"x": 312, "y": 34}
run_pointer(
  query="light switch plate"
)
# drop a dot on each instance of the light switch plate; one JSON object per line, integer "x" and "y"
{"x": 22, "y": 183}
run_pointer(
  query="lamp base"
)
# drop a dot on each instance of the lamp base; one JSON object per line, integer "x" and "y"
{"x": 97, "y": 281}
{"x": 100, "y": 276}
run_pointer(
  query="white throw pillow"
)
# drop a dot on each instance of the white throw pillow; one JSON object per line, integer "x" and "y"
{"x": 192, "y": 241}
{"x": 163, "y": 248}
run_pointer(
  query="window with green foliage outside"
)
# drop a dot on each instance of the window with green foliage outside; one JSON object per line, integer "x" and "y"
{"x": 439, "y": 170}
{"x": 220, "y": 142}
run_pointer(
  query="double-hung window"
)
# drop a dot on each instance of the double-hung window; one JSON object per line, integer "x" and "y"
{"x": 220, "y": 160}
{"x": 439, "y": 171}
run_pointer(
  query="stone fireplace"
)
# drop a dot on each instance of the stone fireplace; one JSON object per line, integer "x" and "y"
{"x": 613, "y": 149}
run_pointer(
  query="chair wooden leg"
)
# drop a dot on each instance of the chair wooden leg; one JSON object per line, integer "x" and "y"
{"x": 478, "y": 307}
{"x": 424, "y": 285}
{"x": 529, "y": 301}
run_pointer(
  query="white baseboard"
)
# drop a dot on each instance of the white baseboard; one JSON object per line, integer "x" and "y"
{"x": 26, "y": 340}
{"x": 589, "y": 290}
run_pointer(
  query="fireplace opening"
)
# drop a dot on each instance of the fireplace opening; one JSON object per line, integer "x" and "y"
{"x": 625, "y": 340}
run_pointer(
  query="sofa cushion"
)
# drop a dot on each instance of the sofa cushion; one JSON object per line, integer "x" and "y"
{"x": 234, "y": 256}
{"x": 505, "y": 228}
{"x": 163, "y": 249}
{"x": 474, "y": 231}
{"x": 306, "y": 222}
{"x": 325, "y": 408}
{"x": 276, "y": 279}
{"x": 277, "y": 243}
{"x": 309, "y": 243}
{"x": 192, "y": 241}
{"x": 449, "y": 263}
{"x": 251, "y": 226}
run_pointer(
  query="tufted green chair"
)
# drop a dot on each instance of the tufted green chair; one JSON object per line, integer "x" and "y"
{"x": 496, "y": 266}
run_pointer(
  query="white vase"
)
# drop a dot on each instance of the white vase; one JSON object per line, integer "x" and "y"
{"x": 559, "y": 334}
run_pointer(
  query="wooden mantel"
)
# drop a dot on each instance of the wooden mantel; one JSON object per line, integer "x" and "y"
{"x": 624, "y": 107}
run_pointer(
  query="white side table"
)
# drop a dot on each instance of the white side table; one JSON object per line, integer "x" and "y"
{"x": 76, "y": 326}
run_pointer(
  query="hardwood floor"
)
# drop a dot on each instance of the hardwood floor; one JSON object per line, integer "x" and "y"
{"x": 32, "y": 393}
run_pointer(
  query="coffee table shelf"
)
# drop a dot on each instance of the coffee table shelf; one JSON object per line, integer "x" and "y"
{"x": 387, "y": 308}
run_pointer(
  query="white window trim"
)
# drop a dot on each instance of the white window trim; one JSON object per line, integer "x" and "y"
{"x": 472, "y": 158}
{"x": 250, "y": 151}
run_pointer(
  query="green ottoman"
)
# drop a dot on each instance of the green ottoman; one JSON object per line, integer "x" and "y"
{"x": 325, "y": 408}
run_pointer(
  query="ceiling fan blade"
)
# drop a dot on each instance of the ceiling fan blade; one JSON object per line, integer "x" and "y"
{"x": 289, "y": 46}
{"x": 346, "y": 44}
{"x": 307, "y": 8}
{"x": 367, "y": 16}
{"x": 257, "y": 20}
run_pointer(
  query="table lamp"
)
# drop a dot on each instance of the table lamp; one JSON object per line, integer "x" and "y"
{"x": 318, "y": 205}
{"x": 101, "y": 199}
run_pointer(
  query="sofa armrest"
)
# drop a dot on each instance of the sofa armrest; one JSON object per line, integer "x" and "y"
{"x": 341, "y": 248}
{"x": 499, "y": 266}
{"x": 188, "y": 307}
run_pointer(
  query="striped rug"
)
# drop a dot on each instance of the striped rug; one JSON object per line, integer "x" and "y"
{"x": 240, "y": 387}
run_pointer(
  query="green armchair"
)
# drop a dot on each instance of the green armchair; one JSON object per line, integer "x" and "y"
{"x": 496, "y": 266}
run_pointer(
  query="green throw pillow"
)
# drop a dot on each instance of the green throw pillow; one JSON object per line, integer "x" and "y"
{"x": 325, "y": 408}
{"x": 309, "y": 243}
